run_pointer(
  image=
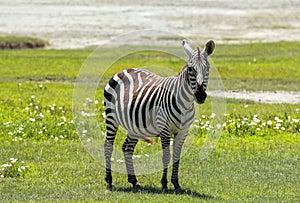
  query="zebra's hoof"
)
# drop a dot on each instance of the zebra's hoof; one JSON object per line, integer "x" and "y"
{"x": 165, "y": 190}
{"x": 110, "y": 186}
{"x": 178, "y": 190}
{"x": 137, "y": 187}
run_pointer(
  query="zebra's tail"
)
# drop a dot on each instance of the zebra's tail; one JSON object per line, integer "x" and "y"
{"x": 148, "y": 140}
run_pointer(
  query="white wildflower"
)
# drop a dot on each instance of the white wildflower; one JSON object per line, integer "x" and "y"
{"x": 13, "y": 160}
{"x": 213, "y": 115}
{"x": 32, "y": 119}
{"x": 136, "y": 156}
{"x": 278, "y": 120}
{"x": 256, "y": 120}
{"x": 120, "y": 161}
{"x": 88, "y": 100}
{"x": 4, "y": 166}
{"x": 41, "y": 115}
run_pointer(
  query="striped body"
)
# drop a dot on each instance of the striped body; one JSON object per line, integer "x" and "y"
{"x": 147, "y": 105}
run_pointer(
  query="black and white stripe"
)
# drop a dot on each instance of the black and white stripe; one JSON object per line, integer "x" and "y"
{"x": 146, "y": 104}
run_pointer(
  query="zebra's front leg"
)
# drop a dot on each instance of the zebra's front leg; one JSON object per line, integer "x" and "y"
{"x": 165, "y": 141}
{"x": 177, "y": 146}
{"x": 128, "y": 148}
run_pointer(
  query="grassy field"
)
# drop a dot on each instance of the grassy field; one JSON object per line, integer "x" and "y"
{"x": 255, "y": 160}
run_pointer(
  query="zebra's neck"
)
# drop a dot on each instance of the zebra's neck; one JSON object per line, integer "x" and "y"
{"x": 182, "y": 89}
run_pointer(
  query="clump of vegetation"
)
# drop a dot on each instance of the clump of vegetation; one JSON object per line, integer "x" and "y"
{"x": 12, "y": 42}
{"x": 14, "y": 168}
{"x": 252, "y": 124}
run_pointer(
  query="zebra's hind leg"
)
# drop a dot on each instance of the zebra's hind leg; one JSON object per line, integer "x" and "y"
{"x": 111, "y": 130}
{"x": 128, "y": 148}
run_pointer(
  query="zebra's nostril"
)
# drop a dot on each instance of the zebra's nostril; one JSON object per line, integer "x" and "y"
{"x": 199, "y": 87}
{"x": 200, "y": 94}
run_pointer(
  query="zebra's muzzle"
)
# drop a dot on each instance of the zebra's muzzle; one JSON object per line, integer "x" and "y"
{"x": 200, "y": 94}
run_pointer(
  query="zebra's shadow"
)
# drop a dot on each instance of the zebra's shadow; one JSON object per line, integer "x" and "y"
{"x": 155, "y": 190}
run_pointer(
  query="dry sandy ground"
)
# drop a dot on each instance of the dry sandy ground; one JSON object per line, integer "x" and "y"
{"x": 77, "y": 23}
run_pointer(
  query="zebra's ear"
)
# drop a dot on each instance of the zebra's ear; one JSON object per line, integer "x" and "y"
{"x": 187, "y": 49}
{"x": 209, "y": 47}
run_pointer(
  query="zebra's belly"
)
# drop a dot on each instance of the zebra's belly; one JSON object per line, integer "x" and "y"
{"x": 138, "y": 122}
{"x": 153, "y": 122}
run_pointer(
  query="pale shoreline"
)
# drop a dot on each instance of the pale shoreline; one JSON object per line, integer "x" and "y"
{"x": 76, "y": 24}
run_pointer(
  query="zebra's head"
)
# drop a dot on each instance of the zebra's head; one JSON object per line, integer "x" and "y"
{"x": 198, "y": 68}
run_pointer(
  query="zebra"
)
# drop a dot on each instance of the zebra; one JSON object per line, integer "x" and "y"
{"x": 146, "y": 104}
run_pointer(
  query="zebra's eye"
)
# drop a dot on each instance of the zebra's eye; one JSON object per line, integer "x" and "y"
{"x": 192, "y": 71}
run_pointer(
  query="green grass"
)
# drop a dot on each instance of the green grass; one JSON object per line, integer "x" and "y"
{"x": 239, "y": 169}
{"x": 259, "y": 66}
{"x": 263, "y": 66}
{"x": 253, "y": 161}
